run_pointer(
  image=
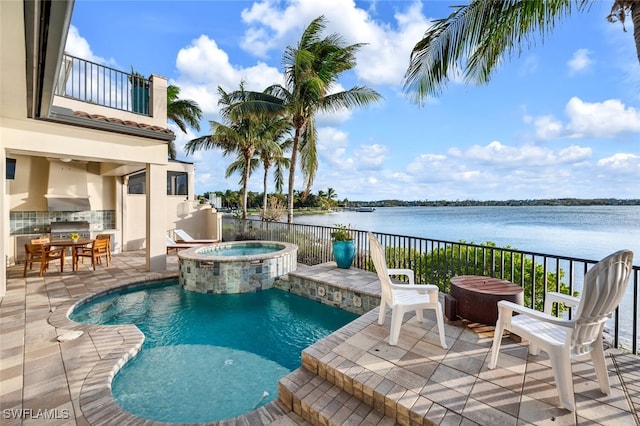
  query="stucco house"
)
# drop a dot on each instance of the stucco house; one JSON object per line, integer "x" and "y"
{"x": 84, "y": 143}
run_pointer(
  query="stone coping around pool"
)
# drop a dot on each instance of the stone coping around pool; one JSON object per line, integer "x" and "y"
{"x": 96, "y": 400}
{"x": 339, "y": 296}
{"x": 353, "y": 279}
{"x": 97, "y": 403}
{"x": 195, "y": 253}
{"x": 354, "y": 290}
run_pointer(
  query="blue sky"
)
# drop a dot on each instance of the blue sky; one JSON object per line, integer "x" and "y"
{"x": 560, "y": 120}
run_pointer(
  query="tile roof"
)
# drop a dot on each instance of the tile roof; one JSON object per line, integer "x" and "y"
{"x": 127, "y": 123}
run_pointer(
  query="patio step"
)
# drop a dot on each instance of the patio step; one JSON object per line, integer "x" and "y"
{"x": 319, "y": 402}
{"x": 323, "y": 369}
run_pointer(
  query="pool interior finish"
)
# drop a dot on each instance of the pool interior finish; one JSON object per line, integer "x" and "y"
{"x": 209, "y": 357}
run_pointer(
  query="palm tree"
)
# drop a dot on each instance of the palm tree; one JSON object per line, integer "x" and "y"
{"x": 331, "y": 195}
{"x": 231, "y": 198}
{"x": 476, "y": 36}
{"x": 311, "y": 73}
{"x": 239, "y": 137}
{"x": 183, "y": 112}
{"x": 271, "y": 153}
{"x": 322, "y": 196}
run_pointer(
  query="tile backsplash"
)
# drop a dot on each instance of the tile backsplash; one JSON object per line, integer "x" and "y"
{"x": 33, "y": 222}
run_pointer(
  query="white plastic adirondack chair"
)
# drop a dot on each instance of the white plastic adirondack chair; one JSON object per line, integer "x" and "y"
{"x": 564, "y": 340}
{"x": 403, "y": 297}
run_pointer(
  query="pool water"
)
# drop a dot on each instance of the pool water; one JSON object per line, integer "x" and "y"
{"x": 240, "y": 249}
{"x": 209, "y": 357}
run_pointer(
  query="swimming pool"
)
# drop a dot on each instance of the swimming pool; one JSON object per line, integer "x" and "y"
{"x": 209, "y": 357}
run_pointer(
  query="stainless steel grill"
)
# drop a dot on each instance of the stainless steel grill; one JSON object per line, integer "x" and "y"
{"x": 61, "y": 230}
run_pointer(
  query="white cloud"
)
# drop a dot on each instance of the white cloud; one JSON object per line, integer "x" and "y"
{"x": 203, "y": 66}
{"x": 610, "y": 118}
{"x": 258, "y": 42}
{"x": 580, "y": 61}
{"x": 370, "y": 157}
{"x": 476, "y": 169}
{"x": 498, "y": 154}
{"x": 383, "y": 60}
{"x": 78, "y": 46}
{"x": 332, "y": 148}
{"x": 496, "y": 171}
{"x": 205, "y": 95}
{"x": 574, "y": 154}
{"x": 622, "y": 163}
{"x": 427, "y": 162}
{"x": 203, "y": 61}
{"x": 547, "y": 127}
{"x": 607, "y": 119}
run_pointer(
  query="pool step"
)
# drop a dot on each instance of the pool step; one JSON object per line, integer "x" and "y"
{"x": 328, "y": 373}
{"x": 319, "y": 402}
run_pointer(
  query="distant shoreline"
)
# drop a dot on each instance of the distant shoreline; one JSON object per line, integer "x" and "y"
{"x": 352, "y": 205}
{"x": 505, "y": 203}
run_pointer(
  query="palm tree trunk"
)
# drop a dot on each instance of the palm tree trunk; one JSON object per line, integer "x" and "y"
{"x": 264, "y": 186}
{"x": 245, "y": 189}
{"x": 292, "y": 174}
{"x": 635, "y": 17}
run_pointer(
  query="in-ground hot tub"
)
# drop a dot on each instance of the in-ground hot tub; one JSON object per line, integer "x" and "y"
{"x": 235, "y": 267}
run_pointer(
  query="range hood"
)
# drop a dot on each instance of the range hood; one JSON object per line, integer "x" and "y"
{"x": 67, "y": 188}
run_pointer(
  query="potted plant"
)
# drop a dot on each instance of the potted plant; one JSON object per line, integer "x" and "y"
{"x": 139, "y": 92}
{"x": 74, "y": 236}
{"x": 344, "y": 249}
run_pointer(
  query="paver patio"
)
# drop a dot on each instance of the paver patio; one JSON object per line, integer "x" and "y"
{"x": 351, "y": 377}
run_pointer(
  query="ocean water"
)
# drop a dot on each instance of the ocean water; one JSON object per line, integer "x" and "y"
{"x": 587, "y": 232}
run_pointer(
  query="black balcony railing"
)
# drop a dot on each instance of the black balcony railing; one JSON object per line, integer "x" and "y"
{"x": 436, "y": 261}
{"x": 93, "y": 83}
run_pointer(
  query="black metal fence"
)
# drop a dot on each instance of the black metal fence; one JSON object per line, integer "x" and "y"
{"x": 89, "y": 82}
{"x": 436, "y": 261}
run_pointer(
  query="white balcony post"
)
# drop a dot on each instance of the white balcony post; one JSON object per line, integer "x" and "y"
{"x": 158, "y": 100}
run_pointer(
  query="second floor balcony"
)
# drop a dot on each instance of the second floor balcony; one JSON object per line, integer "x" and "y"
{"x": 98, "y": 89}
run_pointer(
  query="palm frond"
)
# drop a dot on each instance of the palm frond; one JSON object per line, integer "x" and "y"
{"x": 476, "y": 37}
{"x": 309, "y": 155}
{"x": 357, "y": 96}
{"x": 183, "y": 112}
{"x": 311, "y": 34}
